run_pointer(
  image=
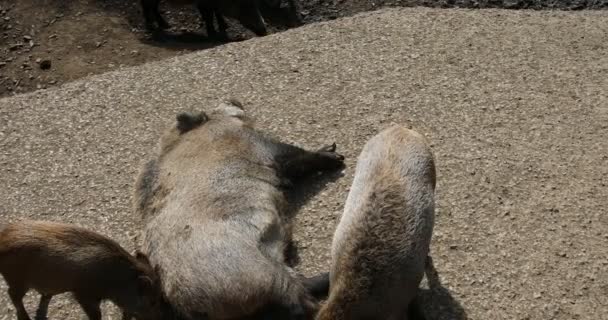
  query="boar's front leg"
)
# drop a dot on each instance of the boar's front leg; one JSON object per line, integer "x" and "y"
{"x": 317, "y": 286}
{"x": 222, "y": 25}
{"x": 295, "y": 163}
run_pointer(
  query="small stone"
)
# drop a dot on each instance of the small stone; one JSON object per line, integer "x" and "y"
{"x": 45, "y": 64}
{"x": 537, "y": 295}
{"x": 453, "y": 247}
{"x": 2, "y": 64}
{"x": 27, "y": 38}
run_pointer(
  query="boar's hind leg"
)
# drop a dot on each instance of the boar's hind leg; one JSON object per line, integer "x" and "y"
{"x": 16, "y": 294}
{"x": 90, "y": 306}
{"x": 295, "y": 163}
{"x": 317, "y": 286}
{"x": 207, "y": 17}
{"x": 43, "y": 306}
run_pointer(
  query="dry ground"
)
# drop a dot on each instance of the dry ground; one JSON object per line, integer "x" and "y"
{"x": 82, "y": 37}
{"x": 514, "y": 102}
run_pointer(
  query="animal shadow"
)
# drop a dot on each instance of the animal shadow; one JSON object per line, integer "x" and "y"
{"x": 298, "y": 196}
{"x": 436, "y": 302}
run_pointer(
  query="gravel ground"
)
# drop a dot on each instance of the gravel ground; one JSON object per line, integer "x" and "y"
{"x": 515, "y": 104}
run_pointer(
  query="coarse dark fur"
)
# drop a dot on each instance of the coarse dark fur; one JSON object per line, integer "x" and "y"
{"x": 54, "y": 258}
{"x": 215, "y": 218}
{"x": 247, "y": 12}
{"x": 381, "y": 244}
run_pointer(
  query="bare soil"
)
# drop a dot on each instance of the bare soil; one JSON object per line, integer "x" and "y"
{"x": 45, "y": 43}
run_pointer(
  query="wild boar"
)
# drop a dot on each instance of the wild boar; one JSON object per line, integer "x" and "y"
{"x": 380, "y": 246}
{"x": 247, "y": 12}
{"x": 54, "y": 258}
{"x": 214, "y": 209}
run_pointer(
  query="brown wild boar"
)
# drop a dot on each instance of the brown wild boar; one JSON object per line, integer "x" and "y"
{"x": 54, "y": 258}
{"x": 381, "y": 244}
{"x": 247, "y": 12}
{"x": 215, "y": 218}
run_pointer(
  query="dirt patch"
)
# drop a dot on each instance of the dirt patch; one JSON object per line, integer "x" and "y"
{"x": 45, "y": 43}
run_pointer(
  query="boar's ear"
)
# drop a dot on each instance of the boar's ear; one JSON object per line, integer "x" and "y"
{"x": 142, "y": 257}
{"x": 236, "y": 103}
{"x": 145, "y": 283}
{"x": 187, "y": 121}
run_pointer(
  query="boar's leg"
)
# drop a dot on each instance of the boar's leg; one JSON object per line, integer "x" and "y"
{"x": 162, "y": 23}
{"x": 90, "y": 306}
{"x": 43, "y": 306}
{"x": 295, "y": 163}
{"x": 207, "y": 17}
{"x": 152, "y": 14}
{"x": 317, "y": 286}
{"x": 221, "y": 23}
{"x": 294, "y": 15}
{"x": 16, "y": 293}
{"x": 414, "y": 310}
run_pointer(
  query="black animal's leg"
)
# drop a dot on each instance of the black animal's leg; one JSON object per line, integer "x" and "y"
{"x": 295, "y": 163}
{"x": 414, "y": 310}
{"x": 146, "y": 8}
{"x": 222, "y": 25}
{"x": 294, "y": 15}
{"x": 43, "y": 306}
{"x": 90, "y": 307}
{"x": 162, "y": 23}
{"x": 207, "y": 17}
{"x": 16, "y": 294}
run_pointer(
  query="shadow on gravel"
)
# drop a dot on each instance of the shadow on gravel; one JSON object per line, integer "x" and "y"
{"x": 437, "y": 302}
{"x": 298, "y": 196}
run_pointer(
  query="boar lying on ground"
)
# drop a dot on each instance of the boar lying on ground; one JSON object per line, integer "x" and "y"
{"x": 54, "y": 258}
{"x": 381, "y": 244}
{"x": 247, "y": 12}
{"x": 215, "y": 218}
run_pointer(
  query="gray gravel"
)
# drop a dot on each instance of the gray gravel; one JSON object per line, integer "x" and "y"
{"x": 515, "y": 104}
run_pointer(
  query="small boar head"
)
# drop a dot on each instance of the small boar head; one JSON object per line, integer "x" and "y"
{"x": 146, "y": 300}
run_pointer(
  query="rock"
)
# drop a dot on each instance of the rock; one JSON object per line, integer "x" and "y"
{"x": 45, "y": 64}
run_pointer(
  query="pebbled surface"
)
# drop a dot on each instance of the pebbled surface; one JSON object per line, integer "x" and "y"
{"x": 515, "y": 104}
